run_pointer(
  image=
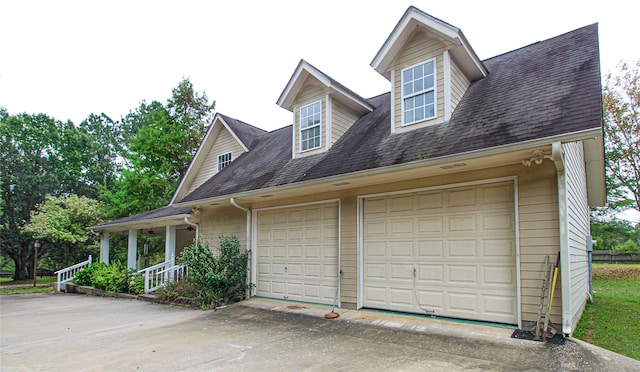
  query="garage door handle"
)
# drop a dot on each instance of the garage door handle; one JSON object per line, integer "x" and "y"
{"x": 414, "y": 272}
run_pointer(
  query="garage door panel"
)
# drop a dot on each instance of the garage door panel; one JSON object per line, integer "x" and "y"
{"x": 401, "y": 249}
{"x": 461, "y": 197}
{"x": 431, "y": 249}
{"x": 462, "y": 303}
{"x": 376, "y": 228}
{"x": 298, "y": 252}
{"x": 498, "y": 276}
{"x": 429, "y": 274}
{"x": 312, "y": 271}
{"x": 462, "y": 275}
{"x": 430, "y": 225}
{"x": 402, "y": 297}
{"x": 461, "y": 224}
{"x": 374, "y": 271}
{"x": 461, "y": 243}
{"x": 401, "y": 203}
{"x": 496, "y": 249}
{"x": 430, "y": 200}
{"x": 460, "y": 249}
{"x": 401, "y": 227}
{"x": 401, "y": 272}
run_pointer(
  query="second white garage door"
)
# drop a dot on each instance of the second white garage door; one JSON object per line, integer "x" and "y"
{"x": 448, "y": 252}
{"x": 297, "y": 252}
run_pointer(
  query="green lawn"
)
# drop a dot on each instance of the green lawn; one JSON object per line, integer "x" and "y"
{"x": 9, "y": 286}
{"x": 612, "y": 321}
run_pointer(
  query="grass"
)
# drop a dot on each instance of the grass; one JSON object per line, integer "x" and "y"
{"x": 44, "y": 284}
{"x": 612, "y": 321}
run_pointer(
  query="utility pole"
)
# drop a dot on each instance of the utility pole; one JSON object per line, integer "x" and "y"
{"x": 36, "y": 245}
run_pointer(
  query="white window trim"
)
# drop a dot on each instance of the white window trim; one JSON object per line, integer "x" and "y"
{"x": 435, "y": 93}
{"x": 300, "y": 129}
{"x": 230, "y": 153}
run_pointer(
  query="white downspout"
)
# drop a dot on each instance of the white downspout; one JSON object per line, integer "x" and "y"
{"x": 557, "y": 155}
{"x": 196, "y": 225}
{"x": 248, "y": 244}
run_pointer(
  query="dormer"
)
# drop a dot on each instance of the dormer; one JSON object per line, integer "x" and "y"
{"x": 225, "y": 141}
{"x": 322, "y": 108}
{"x": 430, "y": 65}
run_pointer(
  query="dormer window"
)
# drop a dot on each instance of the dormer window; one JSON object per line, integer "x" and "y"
{"x": 224, "y": 160}
{"x": 310, "y": 131}
{"x": 419, "y": 92}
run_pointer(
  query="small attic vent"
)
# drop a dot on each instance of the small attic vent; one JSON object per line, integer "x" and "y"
{"x": 341, "y": 183}
{"x": 450, "y": 166}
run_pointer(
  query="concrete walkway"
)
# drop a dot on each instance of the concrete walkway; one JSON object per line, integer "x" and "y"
{"x": 64, "y": 332}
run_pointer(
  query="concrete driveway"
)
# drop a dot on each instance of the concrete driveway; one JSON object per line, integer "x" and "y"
{"x": 66, "y": 332}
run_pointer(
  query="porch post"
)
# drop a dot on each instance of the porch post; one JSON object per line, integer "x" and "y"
{"x": 170, "y": 245}
{"x": 132, "y": 249}
{"x": 104, "y": 247}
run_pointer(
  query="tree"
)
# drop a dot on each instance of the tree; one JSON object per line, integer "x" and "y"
{"x": 621, "y": 100}
{"x": 613, "y": 235}
{"x": 38, "y": 156}
{"x": 29, "y": 164}
{"x": 160, "y": 143}
{"x": 60, "y": 224}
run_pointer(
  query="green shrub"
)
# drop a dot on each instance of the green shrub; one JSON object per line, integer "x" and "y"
{"x": 83, "y": 276}
{"x": 136, "y": 282}
{"x": 214, "y": 279}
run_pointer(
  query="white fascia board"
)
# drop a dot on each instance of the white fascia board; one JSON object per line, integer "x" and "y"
{"x": 410, "y": 21}
{"x": 296, "y": 82}
{"x": 414, "y": 18}
{"x": 244, "y": 147}
{"x": 577, "y": 136}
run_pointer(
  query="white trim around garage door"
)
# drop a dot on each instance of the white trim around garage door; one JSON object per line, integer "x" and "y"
{"x": 360, "y": 232}
{"x": 254, "y": 233}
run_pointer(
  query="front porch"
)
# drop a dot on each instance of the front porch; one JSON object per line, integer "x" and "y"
{"x": 179, "y": 226}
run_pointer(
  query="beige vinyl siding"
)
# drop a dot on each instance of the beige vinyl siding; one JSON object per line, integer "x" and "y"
{"x": 578, "y": 228}
{"x": 539, "y": 236}
{"x": 223, "y": 222}
{"x": 184, "y": 238}
{"x": 224, "y": 142}
{"x": 342, "y": 118}
{"x": 537, "y": 218}
{"x": 349, "y": 251}
{"x": 419, "y": 48}
{"x": 459, "y": 85}
{"x": 311, "y": 93}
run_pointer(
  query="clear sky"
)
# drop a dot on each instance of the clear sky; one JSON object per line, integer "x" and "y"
{"x": 72, "y": 58}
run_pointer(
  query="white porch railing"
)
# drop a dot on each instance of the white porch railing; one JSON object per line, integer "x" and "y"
{"x": 159, "y": 275}
{"x": 69, "y": 273}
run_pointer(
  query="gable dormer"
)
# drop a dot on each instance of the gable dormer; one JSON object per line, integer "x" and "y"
{"x": 430, "y": 65}
{"x": 322, "y": 108}
{"x": 225, "y": 141}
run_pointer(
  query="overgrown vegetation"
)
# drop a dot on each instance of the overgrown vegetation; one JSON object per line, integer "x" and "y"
{"x": 213, "y": 280}
{"x": 612, "y": 321}
{"x": 113, "y": 278}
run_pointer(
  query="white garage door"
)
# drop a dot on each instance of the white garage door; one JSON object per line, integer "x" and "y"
{"x": 448, "y": 252}
{"x": 297, "y": 253}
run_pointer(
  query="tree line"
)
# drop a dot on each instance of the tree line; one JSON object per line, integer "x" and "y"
{"x": 57, "y": 178}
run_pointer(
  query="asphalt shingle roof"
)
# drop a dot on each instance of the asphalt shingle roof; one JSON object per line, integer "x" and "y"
{"x": 163, "y": 212}
{"x": 546, "y": 89}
